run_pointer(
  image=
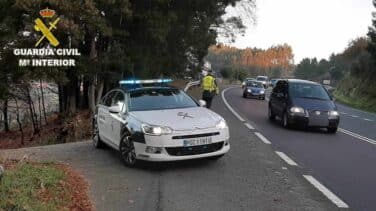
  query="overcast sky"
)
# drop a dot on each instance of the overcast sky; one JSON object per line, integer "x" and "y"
{"x": 314, "y": 28}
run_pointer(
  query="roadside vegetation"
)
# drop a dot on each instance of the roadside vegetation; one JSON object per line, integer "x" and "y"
{"x": 236, "y": 64}
{"x": 42, "y": 186}
{"x": 120, "y": 40}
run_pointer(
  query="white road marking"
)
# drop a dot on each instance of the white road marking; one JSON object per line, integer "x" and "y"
{"x": 355, "y": 135}
{"x": 249, "y": 126}
{"x": 355, "y": 116}
{"x": 369, "y": 120}
{"x": 229, "y": 107}
{"x": 342, "y": 113}
{"x": 330, "y": 195}
{"x": 286, "y": 158}
{"x": 263, "y": 139}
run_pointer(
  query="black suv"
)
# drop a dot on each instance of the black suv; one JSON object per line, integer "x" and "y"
{"x": 301, "y": 102}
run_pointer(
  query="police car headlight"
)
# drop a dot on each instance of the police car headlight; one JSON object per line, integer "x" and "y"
{"x": 249, "y": 90}
{"x": 262, "y": 92}
{"x": 156, "y": 130}
{"x": 221, "y": 124}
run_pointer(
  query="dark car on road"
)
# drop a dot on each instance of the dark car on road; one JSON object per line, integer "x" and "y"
{"x": 301, "y": 102}
{"x": 254, "y": 89}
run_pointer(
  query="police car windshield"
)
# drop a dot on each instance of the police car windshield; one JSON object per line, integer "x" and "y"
{"x": 159, "y": 99}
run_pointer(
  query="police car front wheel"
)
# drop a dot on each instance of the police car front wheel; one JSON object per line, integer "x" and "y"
{"x": 127, "y": 151}
{"x": 97, "y": 142}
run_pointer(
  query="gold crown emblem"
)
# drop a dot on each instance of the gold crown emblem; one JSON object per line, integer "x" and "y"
{"x": 47, "y": 13}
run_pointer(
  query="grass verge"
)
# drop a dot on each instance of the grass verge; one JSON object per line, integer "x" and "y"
{"x": 363, "y": 103}
{"x": 42, "y": 186}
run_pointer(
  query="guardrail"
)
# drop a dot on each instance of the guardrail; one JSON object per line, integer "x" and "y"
{"x": 190, "y": 84}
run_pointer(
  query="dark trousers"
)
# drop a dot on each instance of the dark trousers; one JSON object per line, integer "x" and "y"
{"x": 208, "y": 97}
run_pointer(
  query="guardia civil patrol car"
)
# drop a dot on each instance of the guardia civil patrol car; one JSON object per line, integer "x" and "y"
{"x": 149, "y": 120}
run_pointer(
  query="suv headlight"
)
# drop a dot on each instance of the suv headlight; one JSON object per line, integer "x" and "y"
{"x": 156, "y": 130}
{"x": 297, "y": 110}
{"x": 249, "y": 90}
{"x": 333, "y": 113}
{"x": 262, "y": 92}
{"x": 221, "y": 124}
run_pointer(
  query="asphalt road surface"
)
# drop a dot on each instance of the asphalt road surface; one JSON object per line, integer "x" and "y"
{"x": 343, "y": 162}
{"x": 250, "y": 177}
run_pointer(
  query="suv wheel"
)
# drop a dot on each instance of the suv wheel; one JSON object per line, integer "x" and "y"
{"x": 127, "y": 151}
{"x": 97, "y": 142}
{"x": 271, "y": 115}
{"x": 285, "y": 120}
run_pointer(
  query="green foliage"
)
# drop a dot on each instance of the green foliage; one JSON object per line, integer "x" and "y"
{"x": 311, "y": 69}
{"x": 226, "y": 73}
{"x": 234, "y": 73}
{"x": 117, "y": 39}
{"x": 20, "y": 186}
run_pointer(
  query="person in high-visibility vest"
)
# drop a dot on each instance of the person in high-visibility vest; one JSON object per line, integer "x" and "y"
{"x": 210, "y": 88}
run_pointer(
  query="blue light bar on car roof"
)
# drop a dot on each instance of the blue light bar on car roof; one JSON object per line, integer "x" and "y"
{"x": 151, "y": 81}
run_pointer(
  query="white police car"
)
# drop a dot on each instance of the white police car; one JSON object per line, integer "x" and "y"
{"x": 148, "y": 120}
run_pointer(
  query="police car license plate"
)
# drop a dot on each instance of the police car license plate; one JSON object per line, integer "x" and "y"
{"x": 198, "y": 141}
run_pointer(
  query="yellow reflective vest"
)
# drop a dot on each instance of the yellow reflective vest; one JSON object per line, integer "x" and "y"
{"x": 208, "y": 83}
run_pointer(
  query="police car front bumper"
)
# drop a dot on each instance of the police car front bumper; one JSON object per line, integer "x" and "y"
{"x": 173, "y": 147}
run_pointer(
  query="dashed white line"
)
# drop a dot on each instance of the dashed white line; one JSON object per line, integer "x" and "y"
{"x": 330, "y": 195}
{"x": 262, "y": 138}
{"x": 249, "y": 126}
{"x": 286, "y": 158}
{"x": 342, "y": 113}
{"x": 229, "y": 107}
{"x": 369, "y": 120}
{"x": 355, "y": 135}
{"x": 355, "y": 116}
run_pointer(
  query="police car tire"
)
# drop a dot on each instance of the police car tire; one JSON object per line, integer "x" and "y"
{"x": 127, "y": 151}
{"x": 97, "y": 142}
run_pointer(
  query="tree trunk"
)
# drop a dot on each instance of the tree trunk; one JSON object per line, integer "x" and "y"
{"x": 70, "y": 94}
{"x": 62, "y": 98}
{"x": 40, "y": 111}
{"x": 91, "y": 97}
{"x": 5, "y": 113}
{"x": 85, "y": 93}
{"x": 100, "y": 87}
{"x": 31, "y": 110}
{"x": 43, "y": 105}
{"x": 19, "y": 122}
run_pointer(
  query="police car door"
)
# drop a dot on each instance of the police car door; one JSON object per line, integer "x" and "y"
{"x": 104, "y": 116}
{"x": 117, "y": 119}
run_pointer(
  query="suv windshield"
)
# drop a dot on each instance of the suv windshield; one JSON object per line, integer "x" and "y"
{"x": 159, "y": 99}
{"x": 304, "y": 90}
{"x": 254, "y": 84}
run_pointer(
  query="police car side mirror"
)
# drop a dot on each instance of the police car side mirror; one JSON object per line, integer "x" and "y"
{"x": 114, "y": 109}
{"x": 202, "y": 103}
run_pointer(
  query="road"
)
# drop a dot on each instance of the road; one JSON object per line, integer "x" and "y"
{"x": 343, "y": 162}
{"x": 250, "y": 177}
